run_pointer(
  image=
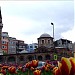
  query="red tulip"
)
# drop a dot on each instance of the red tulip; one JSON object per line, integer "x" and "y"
{"x": 32, "y": 69}
{"x": 19, "y": 68}
{"x": 12, "y": 69}
{"x": 3, "y": 71}
{"x": 66, "y": 66}
{"x": 34, "y": 63}
{"x": 57, "y": 71}
{"x": 37, "y": 72}
{"x": 0, "y": 65}
{"x": 43, "y": 67}
{"x": 28, "y": 65}
{"x": 72, "y": 60}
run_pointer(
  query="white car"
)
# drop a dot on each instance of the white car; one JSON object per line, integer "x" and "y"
{"x": 41, "y": 64}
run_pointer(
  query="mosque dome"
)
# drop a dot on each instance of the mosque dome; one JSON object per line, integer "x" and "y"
{"x": 45, "y": 35}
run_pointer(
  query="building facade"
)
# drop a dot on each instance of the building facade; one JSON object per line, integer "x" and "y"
{"x": 74, "y": 49}
{"x": 32, "y": 47}
{"x": 64, "y": 43}
{"x": 45, "y": 40}
{"x": 5, "y": 41}
{"x": 43, "y": 55}
{"x": 20, "y": 46}
{"x": 12, "y": 45}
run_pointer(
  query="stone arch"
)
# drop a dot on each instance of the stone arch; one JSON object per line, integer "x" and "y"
{"x": 1, "y": 59}
{"x": 21, "y": 58}
{"x": 11, "y": 59}
{"x": 47, "y": 57}
{"x": 40, "y": 57}
{"x": 30, "y": 58}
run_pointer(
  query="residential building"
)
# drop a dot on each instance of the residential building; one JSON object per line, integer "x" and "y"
{"x": 12, "y": 45}
{"x": 64, "y": 43}
{"x": 20, "y": 46}
{"x": 1, "y": 26}
{"x": 74, "y": 48}
{"x": 5, "y": 41}
{"x": 32, "y": 47}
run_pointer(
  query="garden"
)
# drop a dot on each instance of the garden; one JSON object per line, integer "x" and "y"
{"x": 64, "y": 67}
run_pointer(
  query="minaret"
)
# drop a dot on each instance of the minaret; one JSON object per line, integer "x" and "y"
{"x": 1, "y": 26}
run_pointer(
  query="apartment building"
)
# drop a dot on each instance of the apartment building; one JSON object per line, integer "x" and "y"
{"x": 20, "y": 46}
{"x": 5, "y": 41}
{"x": 12, "y": 45}
{"x": 64, "y": 43}
{"x": 32, "y": 47}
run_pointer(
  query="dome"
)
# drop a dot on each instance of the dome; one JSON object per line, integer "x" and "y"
{"x": 45, "y": 35}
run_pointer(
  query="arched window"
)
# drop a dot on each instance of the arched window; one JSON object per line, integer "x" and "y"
{"x": 1, "y": 59}
{"x": 11, "y": 59}
{"x": 47, "y": 57}
{"x": 21, "y": 58}
{"x": 30, "y": 58}
{"x": 40, "y": 58}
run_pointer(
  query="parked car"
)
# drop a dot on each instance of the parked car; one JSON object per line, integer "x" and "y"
{"x": 41, "y": 64}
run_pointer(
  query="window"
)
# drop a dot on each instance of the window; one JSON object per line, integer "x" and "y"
{"x": 42, "y": 41}
{"x": 38, "y": 41}
{"x": 48, "y": 41}
{"x": 3, "y": 37}
{"x": 31, "y": 46}
{"x": 35, "y": 46}
{"x": 4, "y": 47}
{"x": 3, "y": 42}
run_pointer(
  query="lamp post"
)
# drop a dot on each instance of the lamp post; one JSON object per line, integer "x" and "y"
{"x": 53, "y": 29}
{"x": 53, "y": 38}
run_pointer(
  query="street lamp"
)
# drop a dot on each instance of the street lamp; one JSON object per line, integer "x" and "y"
{"x": 53, "y": 38}
{"x": 53, "y": 29}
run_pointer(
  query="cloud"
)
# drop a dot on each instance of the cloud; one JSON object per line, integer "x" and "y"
{"x": 69, "y": 35}
{"x": 27, "y": 20}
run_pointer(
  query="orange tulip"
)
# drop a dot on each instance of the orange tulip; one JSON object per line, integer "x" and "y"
{"x": 72, "y": 60}
{"x": 5, "y": 67}
{"x": 34, "y": 63}
{"x": 32, "y": 69}
{"x": 48, "y": 65}
{"x": 37, "y": 72}
{"x": 46, "y": 68}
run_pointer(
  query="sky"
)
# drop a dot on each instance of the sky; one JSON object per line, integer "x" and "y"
{"x": 27, "y": 20}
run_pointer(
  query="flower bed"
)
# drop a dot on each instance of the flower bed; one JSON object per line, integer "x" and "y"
{"x": 65, "y": 67}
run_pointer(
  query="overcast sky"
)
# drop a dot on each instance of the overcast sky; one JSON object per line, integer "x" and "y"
{"x": 27, "y": 20}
